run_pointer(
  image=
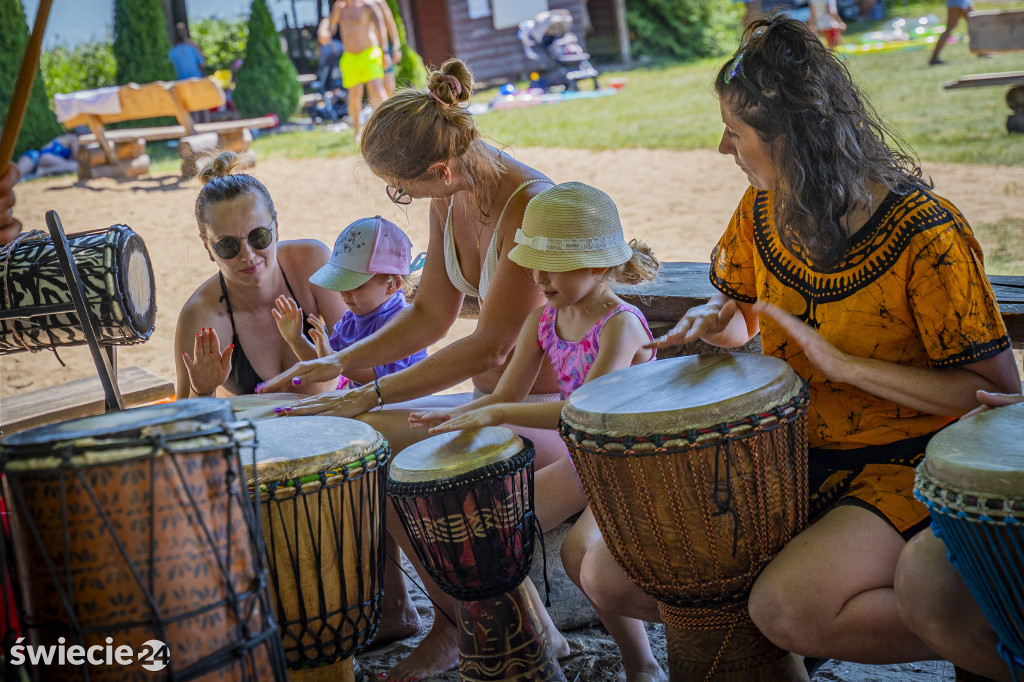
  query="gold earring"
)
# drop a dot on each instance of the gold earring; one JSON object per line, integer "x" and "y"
{"x": 448, "y": 180}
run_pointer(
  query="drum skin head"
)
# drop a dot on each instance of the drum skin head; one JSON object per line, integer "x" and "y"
{"x": 451, "y": 454}
{"x": 983, "y": 454}
{"x": 122, "y": 423}
{"x": 693, "y": 391}
{"x": 292, "y": 447}
{"x": 261, "y": 405}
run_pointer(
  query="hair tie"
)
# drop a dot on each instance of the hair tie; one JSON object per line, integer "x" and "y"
{"x": 454, "y": 84}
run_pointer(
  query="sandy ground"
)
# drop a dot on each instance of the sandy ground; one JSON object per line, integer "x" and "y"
{"x": 678, "y": 202}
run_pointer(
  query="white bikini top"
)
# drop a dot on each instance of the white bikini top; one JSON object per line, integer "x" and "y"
{"x": 490, "y": 264}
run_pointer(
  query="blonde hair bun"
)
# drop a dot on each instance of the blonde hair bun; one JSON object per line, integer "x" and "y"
{"x": 452, "y": 84}
{"x": 221, "y": 163}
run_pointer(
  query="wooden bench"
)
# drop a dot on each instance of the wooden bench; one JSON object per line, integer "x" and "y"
{"x": 121, "y": 153}
{"x": 79, "y": 398}
{"x": 997, "y": 31}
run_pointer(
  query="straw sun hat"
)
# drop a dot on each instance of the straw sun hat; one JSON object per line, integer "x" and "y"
{"x": 568, "y": 227}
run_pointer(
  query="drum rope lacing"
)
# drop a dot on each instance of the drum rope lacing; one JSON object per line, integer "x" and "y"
{"x": 314, "y": 637}
{"x": 158, "y": 442}
{"x": 8, "y": 251}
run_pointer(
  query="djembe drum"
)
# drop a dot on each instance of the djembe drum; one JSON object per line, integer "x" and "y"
{"x": 466, "y": 502}
{"x": 258, "y": 406}
{"x": 135, "y": 526}
{"x": 972, "y": 480}
{"x": 696, "y": 471}
{"x": 117, "y": 278}
{"x": 321, "y": 485}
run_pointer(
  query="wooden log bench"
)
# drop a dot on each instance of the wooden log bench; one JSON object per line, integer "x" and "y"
{"x": 117, "y": 153}
{"x": 680, "y": 286}
{"x": 79, "y": 398}
{"x": 997, "y": 31}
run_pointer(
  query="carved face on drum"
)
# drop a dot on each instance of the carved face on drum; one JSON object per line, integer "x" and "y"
{"x": 240, "y": 223}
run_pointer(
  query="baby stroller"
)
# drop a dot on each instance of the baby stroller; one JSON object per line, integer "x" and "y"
{"x": 561, "y": 62}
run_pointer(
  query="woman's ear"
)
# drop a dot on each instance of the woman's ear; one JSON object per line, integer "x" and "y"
{"x": 441, "y": 170}
{"x": 206, "y": 245}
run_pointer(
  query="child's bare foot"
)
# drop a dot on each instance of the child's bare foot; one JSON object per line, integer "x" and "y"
{"x": 438, "y": 652}
{"x": 398, "y": 620}
{"x": 651, "y": 672}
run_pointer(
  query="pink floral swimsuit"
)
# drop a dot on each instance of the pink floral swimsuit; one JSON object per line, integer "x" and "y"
{"x": 572, "y": 360}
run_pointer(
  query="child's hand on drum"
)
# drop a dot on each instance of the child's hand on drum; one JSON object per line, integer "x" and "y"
{"x": 288, "y": 316}
{"x": 321, "y": 337}
{"x": 431, "y": 418}
{"x": 492, "y": 415}
{"x": 209, "y": 365}
{"x": 990, "y": 400}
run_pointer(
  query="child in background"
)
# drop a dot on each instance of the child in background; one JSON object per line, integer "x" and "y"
{"x": 572, "y": 240}
{"x": 826, "y": 22}
{"x": 369, "y": 267}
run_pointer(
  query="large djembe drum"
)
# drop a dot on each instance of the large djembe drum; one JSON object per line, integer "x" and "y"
{"x": 134, "y": 529}
{"x": 696, "y": 471}
{"x": 972, "y": 480}
{"x": 321, "y": 486}
{"x": 466, "y": 501}
{"x": 117, "y": 278}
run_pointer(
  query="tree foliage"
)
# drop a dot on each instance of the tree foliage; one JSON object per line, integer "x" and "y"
{"x": 267, "y": 83}
{"x": 40, "y": 124}
{"x": 683, "y": 29}
{"x": 84, "y": 67}
{"x": 222, "y": 41}
{"x": 410, "y": 71}
{"x": 140, "y": 42}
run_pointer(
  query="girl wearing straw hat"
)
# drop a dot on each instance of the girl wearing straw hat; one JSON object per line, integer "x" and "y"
{"x": 572, "y": 241}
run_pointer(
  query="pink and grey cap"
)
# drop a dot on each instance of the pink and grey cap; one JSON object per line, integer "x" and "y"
{"x": 367, "y": 247}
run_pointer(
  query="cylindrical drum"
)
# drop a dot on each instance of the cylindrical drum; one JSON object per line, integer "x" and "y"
{"x": 117, "y": 277}
{"x": 466, "y": 501}
{"x": 321, "y": 485}
{"x": 135, "y": 539}
{"x": 696, "y": 471}
{"x": 972, "y": 480}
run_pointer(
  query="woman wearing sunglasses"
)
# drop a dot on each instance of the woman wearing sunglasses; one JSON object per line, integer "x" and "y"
{"x": 871, "y": 286}
{"x": 238, "y": 226}
{"x": 425, "y": 145}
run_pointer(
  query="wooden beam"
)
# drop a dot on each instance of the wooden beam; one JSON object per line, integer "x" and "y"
{"x": 625, "y": 50}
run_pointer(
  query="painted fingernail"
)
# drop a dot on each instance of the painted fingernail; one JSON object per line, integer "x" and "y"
{"x": 260, "y": 387}
{"x": 287, "y": 409}
{"x": 297, "y": 381}
{"x": 278, "y": 410}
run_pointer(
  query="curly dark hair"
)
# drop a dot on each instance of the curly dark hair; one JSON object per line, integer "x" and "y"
{"x": 825, "y": 139}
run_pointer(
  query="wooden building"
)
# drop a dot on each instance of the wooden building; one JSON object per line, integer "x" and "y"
{"x": 483, "y": 32}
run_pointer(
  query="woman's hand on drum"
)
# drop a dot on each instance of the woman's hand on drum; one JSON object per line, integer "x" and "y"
{"x": 347, "y": 403}
{"x": 209, "y": 365}
{"x": 990, "y": 400}
{"x": 432, "y": 418}
{"x": 491, "y": 415}
{"x": 288, "y": 316}
{"x": 828, "y": 359}
{"x": 310, "y": 371}
{"x": 698, "y": 322}
{"x": 321, "y": 337}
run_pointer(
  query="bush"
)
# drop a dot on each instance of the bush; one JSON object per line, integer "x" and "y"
{"x": 683, "y": 29}
{"x": 222, "y": 41}
{"x": 40, "y": 124}
{"x": 140, "y": 42}
{"x": 410, "y": 71}
{"x": 267, "y": 83}
{"x": 84, "y": 67}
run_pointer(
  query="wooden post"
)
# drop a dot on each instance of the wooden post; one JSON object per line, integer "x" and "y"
{"x": 97, "y": 128}
{"x": 625, "y": 50}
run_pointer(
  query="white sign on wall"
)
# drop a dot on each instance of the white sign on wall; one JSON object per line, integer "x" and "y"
{"x": 478, "y": 9}
{"x": 508, "y": 13}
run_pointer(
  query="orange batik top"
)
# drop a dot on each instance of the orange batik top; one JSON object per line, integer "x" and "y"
{"x": 911, "y": 290}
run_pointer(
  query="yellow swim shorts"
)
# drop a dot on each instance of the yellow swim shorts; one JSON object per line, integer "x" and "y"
{"x": 362, "y": 67}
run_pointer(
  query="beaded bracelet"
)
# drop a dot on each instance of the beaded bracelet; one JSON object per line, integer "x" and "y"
{"x": 380, "y": 399}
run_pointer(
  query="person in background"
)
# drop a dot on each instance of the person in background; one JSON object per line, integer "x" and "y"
{"x": 393, "y": 54}
{"x": 10, "y": 227}
{"x": 188, "y": 61}
{"x": 826, "y": 22}
{"x": 364, "y": 36}
{"x": 955, "y": 11}
{"x": 370, "y": 268}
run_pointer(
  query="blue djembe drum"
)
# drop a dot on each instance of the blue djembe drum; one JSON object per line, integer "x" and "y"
{"x": 972, "y": 479}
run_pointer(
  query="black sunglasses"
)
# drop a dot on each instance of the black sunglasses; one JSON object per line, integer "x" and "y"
{"x": 398, "y": 195}
{"x": 259, "y": 239}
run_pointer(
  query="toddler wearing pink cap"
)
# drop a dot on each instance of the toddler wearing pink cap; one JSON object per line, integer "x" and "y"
{"x": 369, "y": 267}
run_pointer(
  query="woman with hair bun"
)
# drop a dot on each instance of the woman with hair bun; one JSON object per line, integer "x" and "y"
{"x": 239, "y": 228}
{"x": 425, "y": 145}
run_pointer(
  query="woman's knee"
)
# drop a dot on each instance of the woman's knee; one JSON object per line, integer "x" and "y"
{"x": 926, "y": 585}
{"x": 605, "y": 588}
{"x": 778, "y": 609}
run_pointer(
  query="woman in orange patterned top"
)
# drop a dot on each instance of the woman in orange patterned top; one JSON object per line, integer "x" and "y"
{"x": 871, "y": 286}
